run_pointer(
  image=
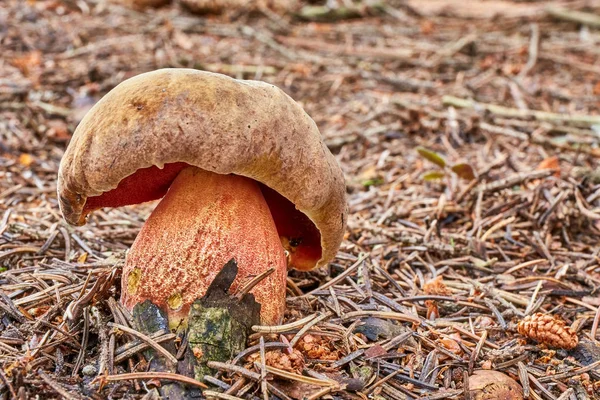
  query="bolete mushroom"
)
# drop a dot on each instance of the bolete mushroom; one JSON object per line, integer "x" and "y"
{"x": 244, "y": 174}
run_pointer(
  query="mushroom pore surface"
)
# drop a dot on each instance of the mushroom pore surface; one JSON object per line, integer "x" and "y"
{"x": 204, "y": 220}
{"x": 299, "y": 236}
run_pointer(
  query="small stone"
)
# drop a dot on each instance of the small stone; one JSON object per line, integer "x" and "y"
{"x": 493, "y": 385}
{"x": 89, "y": 370}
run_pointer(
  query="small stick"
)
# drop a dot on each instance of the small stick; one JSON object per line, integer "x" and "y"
{"x": 216, "y": 382}
{"x": 237, "y": 386}
{"x": 498, "y": 225}
{"x": 594, "y": 330}
{"x": 136, "y": 348}
{"x": 8, "y": 383}
{"x": 299, "y": 378}
{"x": 234, "y": 368}
{"x": 321, "y": 393}
{"x": 498, "y": 130}
{"x": 473, "y": 336}
{"x": 84, "y": 342}
{"x": 209, "y": 394}
{"x": 467, "y": 393}
{"x": 383, "y": 314}
{"x": 56, "y": 386}
{"x": 153, "y": 375}
{"x": 10, "y": 308}
{"x": 515, "y": 179}
{"x": 537, "y": 289}
{"x": 381, "y": 382}
{"x": 515, "y": 112}
{"x": 171, "y": 358}
{"x": 283, "y": 328}
{"x": 524, "y": 378}
{"x": 578, "y": 17}
{"x": 476, "y": 351}
{"x": 244, "y": 290}
{"x": 566, "y": 395}
{"x": 263, "y": 370}
{"x": 306, "y": 328}
{"x": 340, "y": 277}
{"x": 534, "y": 45}
{"x": 4, "y": 221}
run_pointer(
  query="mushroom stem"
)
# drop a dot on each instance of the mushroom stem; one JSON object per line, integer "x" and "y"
{"x": 204, "y": 220}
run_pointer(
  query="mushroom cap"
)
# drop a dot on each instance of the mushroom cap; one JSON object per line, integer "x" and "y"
{"x": 493, "y": 385}
{"x": 158, "y": 122}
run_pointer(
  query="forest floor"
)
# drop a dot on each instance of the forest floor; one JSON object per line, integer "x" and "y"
{"x": 469, "y": 139}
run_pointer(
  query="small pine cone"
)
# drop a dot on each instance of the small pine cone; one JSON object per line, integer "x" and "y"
{"x": 549, "y": 330}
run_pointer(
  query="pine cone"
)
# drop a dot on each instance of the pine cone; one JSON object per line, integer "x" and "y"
{"x": 549, "y": 330}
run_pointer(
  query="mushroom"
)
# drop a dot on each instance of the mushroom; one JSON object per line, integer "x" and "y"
{"x": 493, "y": 385}
{"x": 242, "y": 173}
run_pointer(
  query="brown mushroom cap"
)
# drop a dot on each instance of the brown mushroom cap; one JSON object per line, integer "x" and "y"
{"x": 136, "y": 139}
{"x": 493, "y": 385}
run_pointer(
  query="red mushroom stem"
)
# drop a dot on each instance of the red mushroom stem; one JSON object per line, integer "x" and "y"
{"x": 204, "y": 220}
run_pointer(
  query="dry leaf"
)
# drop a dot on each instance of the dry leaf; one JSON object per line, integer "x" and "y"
{"x": 436, "y": 286}
{"x": 451, "y": 345}
{"x": 550, "y": 163}
{"x": 464, "y": 171}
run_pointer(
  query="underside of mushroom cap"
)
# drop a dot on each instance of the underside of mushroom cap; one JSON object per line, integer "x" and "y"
{"x": 133, "y": 143}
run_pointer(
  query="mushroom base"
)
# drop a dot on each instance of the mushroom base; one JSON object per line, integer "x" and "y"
{"x": 218, "y": 328}
{"x": 205, "y": 220}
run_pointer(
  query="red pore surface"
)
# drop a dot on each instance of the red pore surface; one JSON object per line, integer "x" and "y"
{"x": 299, "y": 236}
{"x": 205, "y": 220}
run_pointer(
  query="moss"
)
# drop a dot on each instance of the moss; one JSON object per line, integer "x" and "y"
{"x": 214, "y": 335}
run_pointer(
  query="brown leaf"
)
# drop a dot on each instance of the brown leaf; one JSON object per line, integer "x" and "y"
{"x": 451, "y": 345}
{"x": 464, "y": 171}
{"x": 550, "y": 163}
